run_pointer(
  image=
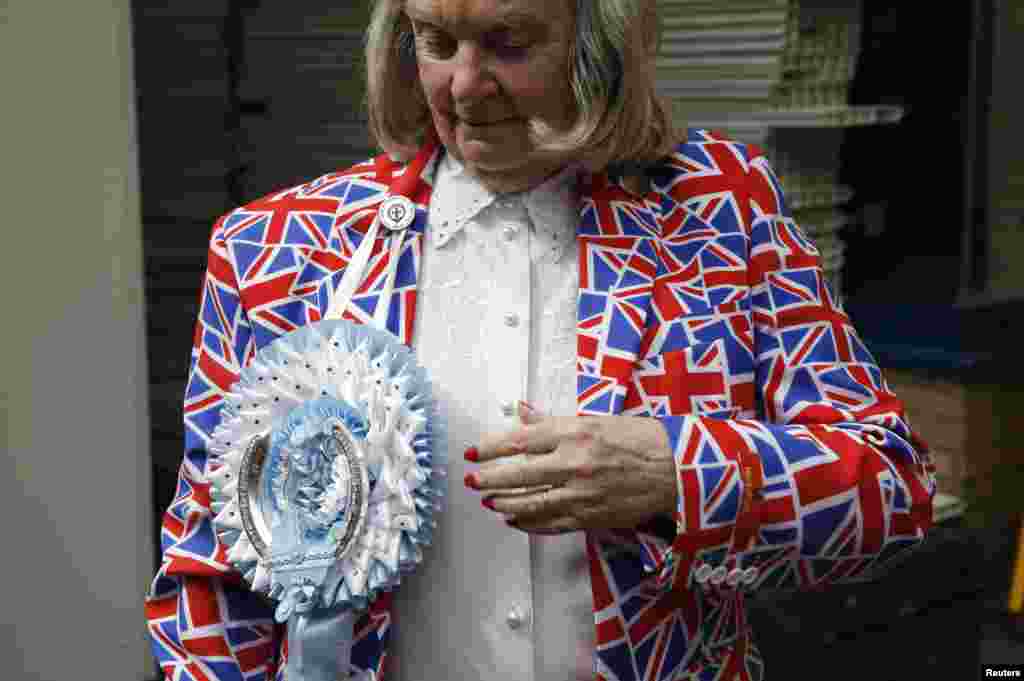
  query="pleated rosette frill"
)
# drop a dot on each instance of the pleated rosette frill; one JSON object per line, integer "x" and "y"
{"x": 327, "y": 467}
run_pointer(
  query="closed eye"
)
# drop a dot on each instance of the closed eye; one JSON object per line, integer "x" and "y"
{"x": 439, "y": 44}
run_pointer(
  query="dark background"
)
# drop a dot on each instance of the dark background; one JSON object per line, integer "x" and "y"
{"x": 915, "y": 168}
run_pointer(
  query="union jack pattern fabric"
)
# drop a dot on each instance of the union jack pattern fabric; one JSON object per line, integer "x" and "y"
{"x": 701, "y": 304}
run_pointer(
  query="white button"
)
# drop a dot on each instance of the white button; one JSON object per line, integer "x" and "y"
{"x": 750, "y": 575}
{"x": 515, "y": 618}
{"x": 511, "y": 319}
{"x": 508, "y": 408}
{"x": 509, "y": 233}
{"x": 718, "y": 574}
{"x": 702, "y": 573}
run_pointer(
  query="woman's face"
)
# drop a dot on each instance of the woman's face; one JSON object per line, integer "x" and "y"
{"x": 487, "y": 67}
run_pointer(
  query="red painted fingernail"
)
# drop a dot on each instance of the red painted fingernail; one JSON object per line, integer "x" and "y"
{"x": 488, "y": 503}
{"x": 471, "y": 481}
{"x": 472, "y": 454}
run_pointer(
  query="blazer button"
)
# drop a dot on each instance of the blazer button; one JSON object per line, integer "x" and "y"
{"x": 515, "y": 618}
{"x": 718, "y": 574}
{"x": 508, "y": 408}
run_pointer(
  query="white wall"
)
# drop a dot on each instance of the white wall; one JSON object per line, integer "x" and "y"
{"x": 75, "y": 509}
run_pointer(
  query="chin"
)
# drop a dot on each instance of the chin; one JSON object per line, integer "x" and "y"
{"x": 494, "y": 165}
{"x": 483, "y": 154}
{"x": 487, "y": 155}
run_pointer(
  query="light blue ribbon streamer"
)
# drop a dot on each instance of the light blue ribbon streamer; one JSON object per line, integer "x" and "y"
{"x": 320, "y": 644}
{"x": 319, "y": 637}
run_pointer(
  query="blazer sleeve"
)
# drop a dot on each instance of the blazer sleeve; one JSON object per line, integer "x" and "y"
{"x": 828, "y": 484}
{"x": 203, "y": 621}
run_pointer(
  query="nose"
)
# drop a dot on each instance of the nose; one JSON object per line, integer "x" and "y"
{"x": 472, "y": 77}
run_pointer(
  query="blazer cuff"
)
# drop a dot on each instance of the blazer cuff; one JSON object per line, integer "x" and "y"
{"x": 718, "y": 486}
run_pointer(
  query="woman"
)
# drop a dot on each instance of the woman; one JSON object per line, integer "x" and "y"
{"x": 708, "y": 421}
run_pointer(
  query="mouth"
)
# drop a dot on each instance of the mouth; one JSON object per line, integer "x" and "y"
{"x": 479, "y": 124}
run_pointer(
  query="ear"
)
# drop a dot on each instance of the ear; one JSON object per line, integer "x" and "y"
{"x": 528, "y": 414}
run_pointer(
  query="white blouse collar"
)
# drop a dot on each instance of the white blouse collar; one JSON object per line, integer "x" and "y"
{"x": 459, "y": 197}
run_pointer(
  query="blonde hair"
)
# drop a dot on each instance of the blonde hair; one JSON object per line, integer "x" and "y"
{"x": 621, "y": 121}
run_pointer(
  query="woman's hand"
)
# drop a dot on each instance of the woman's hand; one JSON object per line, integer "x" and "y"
{"x": 592, "y": 472}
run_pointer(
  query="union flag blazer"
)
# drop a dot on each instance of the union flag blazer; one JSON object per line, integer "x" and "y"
{"x": 701, "y": 304}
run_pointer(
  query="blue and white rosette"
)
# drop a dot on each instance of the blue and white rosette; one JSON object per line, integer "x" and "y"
{"x": 330, "y": 460}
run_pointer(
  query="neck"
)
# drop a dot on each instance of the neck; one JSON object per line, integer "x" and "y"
{"x": 510, "y": 182}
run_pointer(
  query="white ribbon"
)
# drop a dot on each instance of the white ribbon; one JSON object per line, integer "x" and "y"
{"x": 357, "y": 268}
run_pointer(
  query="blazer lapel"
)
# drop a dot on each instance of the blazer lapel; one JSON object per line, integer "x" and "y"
{"x": 362, "y": 192}
{"x": 617, "y": 234}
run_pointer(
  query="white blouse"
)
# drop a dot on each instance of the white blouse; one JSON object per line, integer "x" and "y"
{"x": 495, "y": 323}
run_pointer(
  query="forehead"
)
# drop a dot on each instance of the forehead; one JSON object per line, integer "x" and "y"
{"x": 487, "y": 13}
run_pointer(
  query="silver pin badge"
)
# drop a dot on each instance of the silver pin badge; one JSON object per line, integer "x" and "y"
{"x": 397, "y": 213}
